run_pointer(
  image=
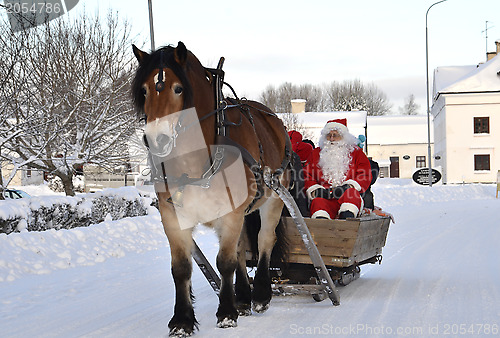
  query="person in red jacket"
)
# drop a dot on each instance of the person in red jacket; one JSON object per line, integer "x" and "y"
{"x": 337, "y": 173}
{"x": 302, "y": 149}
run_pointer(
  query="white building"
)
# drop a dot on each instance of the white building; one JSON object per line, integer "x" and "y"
{"x": 466, "y": 111}
{"x": 397, "y": 143}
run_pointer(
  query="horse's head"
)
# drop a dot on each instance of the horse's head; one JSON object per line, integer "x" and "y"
{"x": 164, "y": 85}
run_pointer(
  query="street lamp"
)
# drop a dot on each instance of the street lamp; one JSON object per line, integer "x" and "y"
{"x": 428, "y": 104}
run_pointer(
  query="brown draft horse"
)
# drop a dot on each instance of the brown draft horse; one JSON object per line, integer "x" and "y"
{"x": 171, "y": 82}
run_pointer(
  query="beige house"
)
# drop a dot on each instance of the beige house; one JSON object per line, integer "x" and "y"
{"x": 466, "y": 111}
{"x": 399, "y": 144}
{"x": 23, "y": 176}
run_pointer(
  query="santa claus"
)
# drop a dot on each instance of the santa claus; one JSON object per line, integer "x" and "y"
{"x": 337, "y": 174}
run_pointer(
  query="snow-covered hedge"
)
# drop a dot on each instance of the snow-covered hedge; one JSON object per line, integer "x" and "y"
{"x": 62, "y": 212}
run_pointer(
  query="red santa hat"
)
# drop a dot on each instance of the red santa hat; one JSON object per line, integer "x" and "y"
{"x": 339, "y": 124}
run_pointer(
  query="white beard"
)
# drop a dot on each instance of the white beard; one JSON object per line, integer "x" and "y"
{"x": 335, "y": 158}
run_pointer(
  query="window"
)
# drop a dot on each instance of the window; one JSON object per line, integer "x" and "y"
{"x": 420, "y": 162}
{"x": 79, "y": 169}
{"x": 384, "y": 172}
{"x": 481, "y": 125}
{"x": 481, "y": 162}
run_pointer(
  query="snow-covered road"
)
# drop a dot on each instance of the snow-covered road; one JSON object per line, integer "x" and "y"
{"x": 439, "y": 276}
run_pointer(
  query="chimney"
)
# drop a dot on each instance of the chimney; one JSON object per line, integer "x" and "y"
{"x": 491, "y": 55}
{"x": 298, "y": 106}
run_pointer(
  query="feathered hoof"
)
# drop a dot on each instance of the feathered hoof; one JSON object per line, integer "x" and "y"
{"x": 227, "y": 322}
{"x": 244, "y": 310}
{"x": 260, "y": 308}
{"x": 179, "y": 333}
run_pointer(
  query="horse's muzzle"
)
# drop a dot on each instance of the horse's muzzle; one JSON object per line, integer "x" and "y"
{"x": 162, "y": 146}
{"x": 159, "y": 138}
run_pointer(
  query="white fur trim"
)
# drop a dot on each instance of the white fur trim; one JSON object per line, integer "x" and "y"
{"x": 349, "y": 207}
{"x": 354, "y": 184}
{"x": 311, "y": 189}
{"x": 320, "y": 213}
{"x": 335, "y": 125}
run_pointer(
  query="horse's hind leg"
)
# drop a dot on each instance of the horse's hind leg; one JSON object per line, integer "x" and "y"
{"x": 242, "y": 285}
{"x": 183, "y": 321}
{"x": 270, "y": 214}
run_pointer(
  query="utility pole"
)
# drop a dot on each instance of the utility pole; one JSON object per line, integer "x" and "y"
{"x": 151, "y": 28}
{"x": 428, "y": 104}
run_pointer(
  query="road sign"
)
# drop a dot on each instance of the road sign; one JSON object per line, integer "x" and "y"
{"x": 421, "y": 176}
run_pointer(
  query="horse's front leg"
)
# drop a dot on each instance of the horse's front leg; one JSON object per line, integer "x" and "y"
{"x": 229, "y": 233}
{"x": 183, "y": 321}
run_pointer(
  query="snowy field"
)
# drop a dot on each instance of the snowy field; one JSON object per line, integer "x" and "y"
{"x": 439, "y": 277}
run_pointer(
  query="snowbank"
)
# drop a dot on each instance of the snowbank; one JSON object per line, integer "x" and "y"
{"x": 391, "y": 192}
{"x": 43, "y": 252}
{"x": 62, "y": 212}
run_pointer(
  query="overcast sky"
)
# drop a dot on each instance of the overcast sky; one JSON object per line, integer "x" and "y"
{"x": 320, "y": 41}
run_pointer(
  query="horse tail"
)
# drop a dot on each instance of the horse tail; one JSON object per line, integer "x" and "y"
{"x": 280, "y": 251}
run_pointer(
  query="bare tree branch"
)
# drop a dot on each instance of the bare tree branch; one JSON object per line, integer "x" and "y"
{"x": 336, "y": 96}
{"x": 64, "y": 99}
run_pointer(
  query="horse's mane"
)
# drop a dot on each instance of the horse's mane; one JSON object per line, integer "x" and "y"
{"x": 153, "y": 62}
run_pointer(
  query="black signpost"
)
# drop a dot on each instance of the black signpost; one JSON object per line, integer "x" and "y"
{"x": 421, "y": 176}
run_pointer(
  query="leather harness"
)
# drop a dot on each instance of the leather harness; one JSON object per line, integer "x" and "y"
{"x": 158, "y": 174}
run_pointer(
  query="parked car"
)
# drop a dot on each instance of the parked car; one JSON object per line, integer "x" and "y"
{"x": 15, "y": 194}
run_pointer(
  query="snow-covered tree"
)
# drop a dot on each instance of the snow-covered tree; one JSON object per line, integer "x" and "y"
{"x": 341, "y": 96}
{"x": 355, "y": 95}
{"x": 410, "y": 107}
{"x": 279, "y": 99}
{"x": 64, "y": 99}
{"x": 292, "y": 122}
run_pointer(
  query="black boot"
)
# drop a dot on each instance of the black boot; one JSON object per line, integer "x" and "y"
{"x": 346, "y": 214}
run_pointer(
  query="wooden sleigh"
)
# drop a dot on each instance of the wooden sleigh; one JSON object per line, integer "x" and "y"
{"x": 344, "y": 245}
{"x": 322, "y": 251}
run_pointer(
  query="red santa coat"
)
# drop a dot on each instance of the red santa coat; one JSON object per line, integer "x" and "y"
{"x": 358, "y": 175}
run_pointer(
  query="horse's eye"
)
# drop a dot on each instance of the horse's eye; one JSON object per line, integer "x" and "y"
{"x": 178, "y": 90}
{"x": 144, "y": 90}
